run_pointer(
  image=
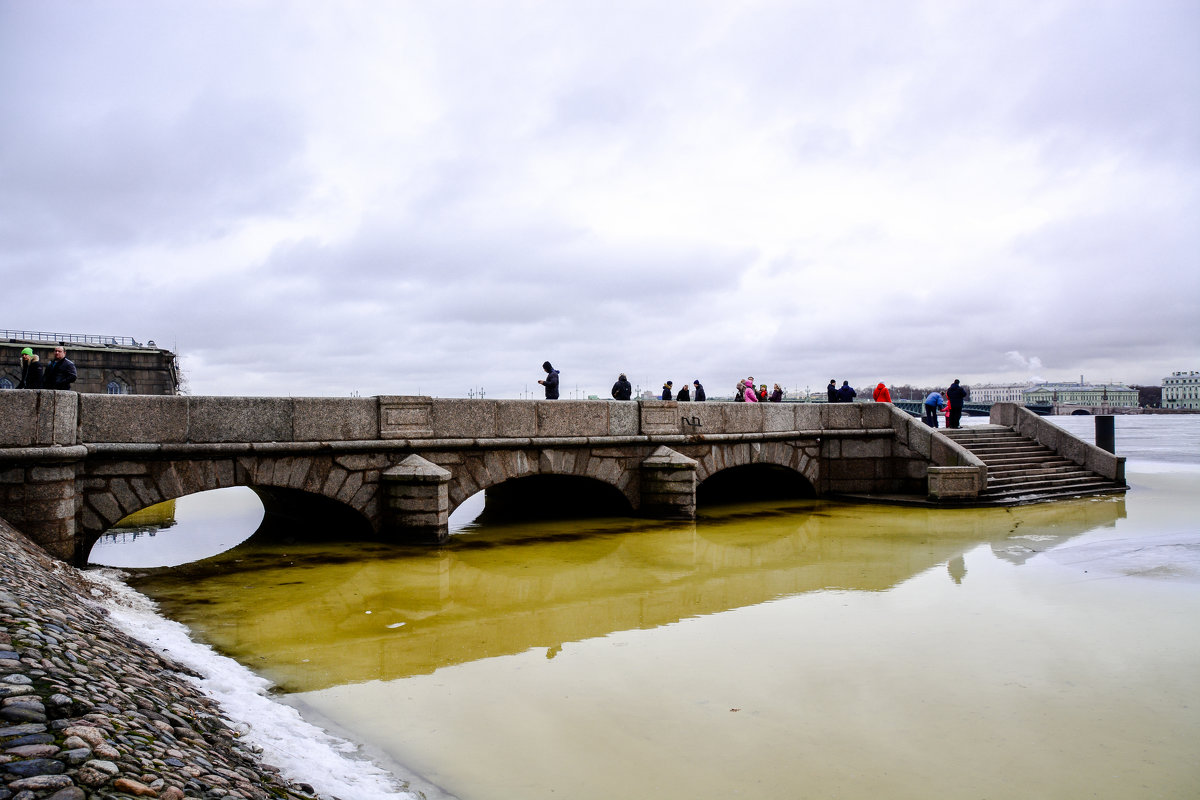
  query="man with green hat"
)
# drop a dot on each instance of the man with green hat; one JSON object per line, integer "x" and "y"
{"x": 31, "y": 370}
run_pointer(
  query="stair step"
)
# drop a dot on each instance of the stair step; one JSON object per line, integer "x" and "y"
{"x": 1020, "y": 469}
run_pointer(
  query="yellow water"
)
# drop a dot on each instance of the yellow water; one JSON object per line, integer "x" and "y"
{"x": 804, "y": 649}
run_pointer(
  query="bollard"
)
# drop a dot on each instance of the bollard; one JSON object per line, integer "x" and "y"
{"x": 1105, "y": 437}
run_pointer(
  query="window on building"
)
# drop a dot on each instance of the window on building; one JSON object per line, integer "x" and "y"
{"x": 115, "y": 387}
{"x": 5, "y": 383}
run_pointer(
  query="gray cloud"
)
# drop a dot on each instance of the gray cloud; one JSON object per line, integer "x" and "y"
{"x": 415, "y": 197}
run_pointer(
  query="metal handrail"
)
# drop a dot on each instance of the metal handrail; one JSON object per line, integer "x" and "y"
{"x": 73, "y": 338}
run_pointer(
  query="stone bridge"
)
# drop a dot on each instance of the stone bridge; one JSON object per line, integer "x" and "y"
{"x": 72, "y": 465}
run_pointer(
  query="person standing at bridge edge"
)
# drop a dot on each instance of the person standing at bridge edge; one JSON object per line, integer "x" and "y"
{"x": 666, "y": 392}
{"x": 846, "y": 394}
{"x": 831, "y": 393}
{"x": 698, "y": 394}
{"x": 683, "y": 395}
{"x": 60, "y": 372}
{"x": 31, "y": 370}
{"x": 551, "y": 382}
{"x": 932, "y": 402}
{"x": 956, "y": 395}
{"x": 622, "y": 389}
{"x": 881, "y": 395}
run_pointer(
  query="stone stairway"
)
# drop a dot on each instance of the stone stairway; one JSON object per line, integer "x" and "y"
{"x": 1022, "y": 471}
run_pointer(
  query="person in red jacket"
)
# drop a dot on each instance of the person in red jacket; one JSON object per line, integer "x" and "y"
{"x": 882, "y": 395}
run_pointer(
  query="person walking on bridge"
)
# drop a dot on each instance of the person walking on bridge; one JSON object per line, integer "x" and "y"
{"x": 60, "y": 372}
{"x": 31, "y": 370}
{"x": 551, "y": 382}
{"x": 956, "y": 395}
{"x": 622, "y": 389}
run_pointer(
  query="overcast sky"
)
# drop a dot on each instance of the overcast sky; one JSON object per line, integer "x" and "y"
{"x": 390, "y": 197}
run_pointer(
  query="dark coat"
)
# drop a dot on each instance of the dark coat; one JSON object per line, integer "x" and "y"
{"x": 552, "y": 385}
{"x": 31, "y": 374}
{"x": 832, "y": 393}
{"x": 846, "y": 394}
{"x": 622, "y": 390}
{"x": 666, "y": 395}
{"x": 59, "y": 375}
{"x": 683, "y": 395}
{"x": 700, "y": 396}
{"x": 956, "y": 394}
{"x": 777, "y": 396}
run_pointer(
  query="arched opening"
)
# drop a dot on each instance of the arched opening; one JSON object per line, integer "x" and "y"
{"x": 292, "y": 515}
{"x": 181, "y": 530}
{"x": 1081, "y": 412}
{"x": 552, "y": 497}
{"x": 753, "y": 483}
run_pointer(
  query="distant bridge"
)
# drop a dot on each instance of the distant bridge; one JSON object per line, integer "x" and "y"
{"x": 917, "y": 408}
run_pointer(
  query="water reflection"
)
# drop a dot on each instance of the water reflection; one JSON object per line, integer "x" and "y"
{"x": 311, "y": 615}
{"x": 181, "y": 530}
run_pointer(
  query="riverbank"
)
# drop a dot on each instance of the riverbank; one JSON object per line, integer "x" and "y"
{"x": 87, "y": 711}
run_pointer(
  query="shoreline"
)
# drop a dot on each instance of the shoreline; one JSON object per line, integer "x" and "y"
{"x": 88, "y": 710}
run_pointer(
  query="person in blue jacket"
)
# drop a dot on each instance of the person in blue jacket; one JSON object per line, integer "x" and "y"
{"x": 932, "y": 403}
{"x": 846, "y": 394}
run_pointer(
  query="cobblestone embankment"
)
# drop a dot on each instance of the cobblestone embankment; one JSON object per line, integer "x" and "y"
{"x": 88, "y": 712}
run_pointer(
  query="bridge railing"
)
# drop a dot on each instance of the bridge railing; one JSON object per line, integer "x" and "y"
{"x": 68, "y": 338}
{"x": 42, "y": 418}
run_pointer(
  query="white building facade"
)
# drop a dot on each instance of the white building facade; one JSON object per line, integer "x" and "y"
{"x": 1181, "y": 390}
{"x": 1081, "y": 394}
{"x": 998, "y": 393}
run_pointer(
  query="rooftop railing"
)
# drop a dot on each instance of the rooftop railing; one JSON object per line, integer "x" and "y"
{"x": 71, "y": 338}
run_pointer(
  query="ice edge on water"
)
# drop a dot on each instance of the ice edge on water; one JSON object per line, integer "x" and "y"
{"x": 303, "y": 752}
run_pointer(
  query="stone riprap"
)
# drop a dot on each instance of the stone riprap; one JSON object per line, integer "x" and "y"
{"x": 88, "y": 712}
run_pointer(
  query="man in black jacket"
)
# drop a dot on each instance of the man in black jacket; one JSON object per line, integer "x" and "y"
{"x": 622, "y": 389}
{"x": 551, "y": 382}
{"x": 698, "y": 393}
{"x": 956, "y": 395}
{"x": 60, "y": 372}
{"x": 831, "y": 391}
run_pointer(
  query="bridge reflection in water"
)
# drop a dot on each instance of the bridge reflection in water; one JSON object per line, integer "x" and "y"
{"x": 310, "y": 616}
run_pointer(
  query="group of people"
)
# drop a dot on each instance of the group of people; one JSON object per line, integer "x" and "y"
{"x": 746, "y": 393}
{"x": 622, "y": 391}
{"x": 952, "y": 403}
{"x": 846, "y": 393}
{"x": 58, "y": 373}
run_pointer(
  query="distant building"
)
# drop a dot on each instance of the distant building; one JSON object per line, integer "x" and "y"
{"x": 1181, "y": 390}
{"x": 1081, "y": 394}
{"x": 999, "y": 393}
{"x": 104, "y": 364}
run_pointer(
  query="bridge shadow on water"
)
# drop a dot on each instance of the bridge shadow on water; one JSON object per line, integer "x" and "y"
{"x": 311, "y": 614}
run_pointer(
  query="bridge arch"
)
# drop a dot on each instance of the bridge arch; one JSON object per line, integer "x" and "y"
{"x": 481, "y": 471}
{"x": 322, "y": 486}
